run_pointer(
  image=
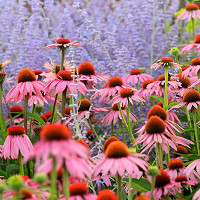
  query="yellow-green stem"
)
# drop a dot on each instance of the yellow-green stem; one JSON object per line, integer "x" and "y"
{"x": 66, "y": 183}
{"x": 33, "y": 109}
{"x": 159, "y": 156}
{"x": 153, "y": 186}
{"x": 21, "y": 167}
{"x": 118, "y": 181}
{"x": 196, "y": 132}
{"x": 64, "y": 99}
{"x": 53, "y": 181}
{"x": 1, "y": 109}
{"x": 54, "y": 108}
{"x": 62, "y": 58}
{"x": 129, "y": 187}
{"x": 25, "y": 111}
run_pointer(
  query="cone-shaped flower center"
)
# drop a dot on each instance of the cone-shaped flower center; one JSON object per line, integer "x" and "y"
{"x": 62, "y": 41}
{"x": 135, "y": 71}
{"x": 181, "y": 150}
{"x": 191, "y": 96}
{"x": 37, "y": 72}
{"x": 68, "y": 111}
{"x": 108, "y": 141}
{"x": 15, "y": 109}
{"x": 64, "y": 75}
{"x": 142, "y": 197}
{"x": 48, "y": 115}
{"x": 26, "y": 75}
{"x": 184, "y": 68}
{"x": 16, "y": 130}
{"x": 197, "y": 39}
{"x": 162, "y": 78}
{"x": 195, "y": 62}
{"x": 157, "y": 111}
{"x": 115, "y": 81}
{"x": 26, "y": 193}
{"x": 84, "y": 104}
{"x": 180, "y": 178}
{"x": 185, "y": 82}
{"x": 117, "y": 149}
{"x": 162, "y": 179}
{"x": 115, "y": 107}
{"x": 78, "y": 189}
{"x": 145, "y": 83}
{"x": 160, "y": 103}
{"x": 166, "y": 59}
{"x": 84, "y": 143}
{"x": 90, "y": 134}
{"x": 191, "y": 7}
{"x": 126, "y": 92}
{"x": 175, "y": 164}
{"x": 107, "y": 195}
{"x": 86, "y": 68}
{"x": 54, "y": 132}
{"x": 155, "y": 125}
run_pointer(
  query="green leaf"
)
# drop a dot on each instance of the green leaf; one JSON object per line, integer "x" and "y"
{"x": 173, "y": 104}
{"x": 135, "y": 123}
{"x": 38, "y": 118}
{"x": 155, "y": 97}
{"x": 119, "y": 131}
{"x": 2, "y": 173}
{"x": 10, "y": 168}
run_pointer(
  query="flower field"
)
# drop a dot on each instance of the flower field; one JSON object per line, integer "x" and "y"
{"x": 100, "y": 100}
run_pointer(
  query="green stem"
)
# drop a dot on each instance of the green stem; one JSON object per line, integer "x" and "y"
{"x": 153, "y": 186}
{"x": 33, "y": 109}
{"x": 121, "y": 125}
{"x": 62, "y": 59}
{"x": 129, "y": 187}
{"x": 66, "y": 183}
{"x": 196, "y": 133}
{"x": 54, "y": 108}
{"x": 119, "y": 191}
{"x": 198, "y": 88}
{"x": 159, "y": 156}
{"x": 165, "y": 105}
{"x": 190, "y": 123}
{"x": 129, "y": 124}
{"x": 92, "y": 127}
{"x": 193, "y": 28}
{"x": 112, "y": 128}
{"x": 64, "y": 99}
{"x": 21, "y": 167}
{"x": 25, "y": 111}
{"x": 53, "y": 181}
{"x": 1, "y": 109}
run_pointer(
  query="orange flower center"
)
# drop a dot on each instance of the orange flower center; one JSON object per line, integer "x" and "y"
{"x": 191, "y": 96}
{"x": 107, "y": 195}
{"x": 25, "y": 75}
{"x": 162, "y": 78}
{"x": 86, "y": 68}
{"x": 83, "y": 143}
{"x": 37, "y": 72}
{"x": 108, "y": 141}
{"x": 78, "y": 189}
{"x": 68, "y": 111}
{"x": 115, "y": 81}
{"x": 185, "y": 82}
{"x": 142, "y": 197}
{"x": 115, "y": 107}
{"x": 14, "y": 110}
{"x": 62, "y": 41}
{"x": 180, "y": 178}
{"x": 42, "y": 116}
{"x": 26, "y": 193}
{"x": 90, "y": 135}
{"x": 166, "y": 59}
{"x": 135, "y": 71}
{"x": 145, "y": 83}
{"x": 84, "y": 104}
{"x": 184, "y": 68}
{"x": 155, "y": 125}
{"x": 197, "y": 39}
{"x": 195, "y": 62}
{"x": 175, "y": 164}
{"x": 57, "y": 69}
{"x": 162, "y": 179}
{"x": 16, "y": 130}
{"x": 55, "y": 132}
{"x": 126, "y": 92}
{"x": 191, "y": 7}
{"x": 160, "y": 103}
{"x": 48, "y": 115}
{"x": 117, "y": 149}
{"x": 157, "y": 111}
{"x": 181, "y": 150}
{"x": 64, "y": 75}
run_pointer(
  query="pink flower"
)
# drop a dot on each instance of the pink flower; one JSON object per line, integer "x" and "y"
{"x": 55, "y": 141}
{"x": 135, "y": 76}
{"x": 191, "y": 167}
{"x": 64, "y": 81}
{"x": 62, "y": 42}
{"x": 119, "y": 160}
{"x": 191, "y": 12}
{"x": 87, "y": 73}
{"x": 114, "y": 115}
{"x": 165, "y": 61}
{"x": 16, "y": 142}
{"x": 193, "y": 69}
{"x": 196, "y": 195}
{"x": 27, "y": 85}
{"x": 16, "y": 113}
{"x": 125, "y": 97}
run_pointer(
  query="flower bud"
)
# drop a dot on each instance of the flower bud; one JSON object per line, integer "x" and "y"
{"x": 132, "y": 150}
{"x": 175, "y": 51}
{"x": 2, "y": 188}
{"x": 16, "y": 182}
{"x": 153, "y": 171}
{"x": 40, "y": 178}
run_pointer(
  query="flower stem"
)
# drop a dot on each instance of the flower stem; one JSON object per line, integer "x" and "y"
{"x": 66, "y": 183}
{"x": 62, "y": 59}
{"x": 54, "y": 108}
{"x": 159, "y": 156}
{"x": 129, "y": 187}
{"x": 193, "y": 28}
{"x": 25, "y": 111}
{"x": 198, "y": 110}
{"x": 121, "y": 125}
{"x": 112, "y": 128}
{"x": 64, "y": 99}
{"x": 196, "y": 133}
{"x": 1, "y": 109}
{"x": 92, "y": 127}
{"x": 190, "y": 123}
{"x": 21, "y": 167}
{"x": 33, "y": 109}
{"x": 53, "y": 181}
{"x": 153, "y": 186}
{"x": 165, "y": 105}
{"x": 118, "y": 181}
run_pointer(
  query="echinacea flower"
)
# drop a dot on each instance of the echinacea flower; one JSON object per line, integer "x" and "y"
{"x": 126, "y": 96}
{"x": 185, "y": 182}
{"x": 196, "y": 195}
{"x": 191, "y": 12}
{"x": 63, "y": 42}
{"x": 181, "y": 150}
{"x": 155, "y": 131}
{"x": 27, "y": 85}
{"x": 80, "y": 191}
{"x": 114, "y": 115}
{"x": 16, "y": 112}
{"x": 107, "y": 195}
{"x": 191, "y": 100}
{"x": 193, "y": 69}
{"x": 165, "y": 62}
{"x": 55, "y": 141}
{"x": 142, "y": 197}
{"x": 135, "y": 76}
{"x": 87, "y": 73}
{"x": 64, "y": 81}
{"x": 191, "y": 168}
{"x": 17, "y": 142}
{"x": 118, "y": 161}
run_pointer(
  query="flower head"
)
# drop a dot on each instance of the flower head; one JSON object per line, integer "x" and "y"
{"x": 107, "y": 195}
{"x": 26, "y": 75}
{"x": 108, "y": 141}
